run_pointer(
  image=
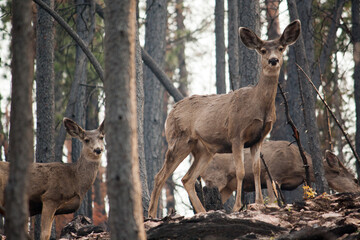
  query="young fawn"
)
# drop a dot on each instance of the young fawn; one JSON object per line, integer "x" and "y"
{"x": 59, "y": 188}
{"x": 206, "y": 125}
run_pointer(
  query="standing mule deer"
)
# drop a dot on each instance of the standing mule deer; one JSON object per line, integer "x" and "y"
{"x": 205, "y": 125}
{"x": 286, "y": 168}
{"x": 59, "y": 188}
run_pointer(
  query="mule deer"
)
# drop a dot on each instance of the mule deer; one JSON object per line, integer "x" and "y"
{"x": 59, "y": 188}
{"x": 286, "y": 168}
{"x": 205, "y": 125}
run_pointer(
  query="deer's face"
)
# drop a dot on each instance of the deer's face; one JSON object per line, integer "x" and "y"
{"x": 93, "y": 143}
{"x": 271, "y": 56}
{"x": 92, "y": 140}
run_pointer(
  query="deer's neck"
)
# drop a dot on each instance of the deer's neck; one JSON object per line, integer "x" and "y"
{"x": 86, "y": 170}
{"x": 266, "y": 88}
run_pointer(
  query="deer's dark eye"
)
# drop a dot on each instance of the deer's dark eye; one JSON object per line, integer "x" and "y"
{"x": 263, "y": 51}
{"x": 101, "y": 138}
{"x": 281, "y": 49}
{"x": 87, "y": 140}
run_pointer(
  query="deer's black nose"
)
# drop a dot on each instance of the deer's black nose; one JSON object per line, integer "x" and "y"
{"x": 273, "y": 61}
{"x": 97, "y": 150}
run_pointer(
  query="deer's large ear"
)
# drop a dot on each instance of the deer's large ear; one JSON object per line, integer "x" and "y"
{"x": 332, "y": 160}
{"x": 250, "y": 39}
{"x": 102, "y": 127}
{"x": 291, "y": 33}
{"x": 73, "y": 128}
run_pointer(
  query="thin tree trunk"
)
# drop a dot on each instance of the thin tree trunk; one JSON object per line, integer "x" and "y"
{"x": 155, "y": 33}
{"x": 233, "y": 44}
{"x": 309, "y": 110}
{"x": 85, "y": 25}
{"x": 249, "y": 60}
{"x": 45, "y": 95}
{"x": 220, "y": 46}
{"x": 21, "y": 129}
{"x": 355, "y": 17}
{"x": 123, "y": 164}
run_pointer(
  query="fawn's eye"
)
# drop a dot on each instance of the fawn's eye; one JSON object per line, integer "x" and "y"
{"x": 281, "y": 49}
{"x": 87, "y": 140}
{"x": 101, "y": 138}
{"x": 263, "y": 51}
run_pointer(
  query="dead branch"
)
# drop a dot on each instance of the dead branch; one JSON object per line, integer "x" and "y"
{"x": 296, "y": 135}
{"x": 333, "y": 115}
{"x": 281, "y": 199}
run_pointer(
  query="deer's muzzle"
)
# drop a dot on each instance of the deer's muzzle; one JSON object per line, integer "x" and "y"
{"x": 273, "y": 61}
{"x": 97, "y": 151}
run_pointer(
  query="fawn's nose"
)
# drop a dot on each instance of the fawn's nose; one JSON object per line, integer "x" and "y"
{"x": 273, "y": 61}
{"x": 97, "y": 150}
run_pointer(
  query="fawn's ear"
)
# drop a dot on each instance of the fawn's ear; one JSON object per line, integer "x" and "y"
{"x": 332, "y": 160}
{"x": 291, "y": 33}
{"x": 250, "y": 39}
{"x": 102, "y": 127}
{"x": 73, "y": 128}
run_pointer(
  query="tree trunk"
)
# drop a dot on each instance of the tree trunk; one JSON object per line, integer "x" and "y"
{"x": 355, "y": 13}
{"x": 21, "y": 133}
{"x": 233, "y": 44}
{"x": 249, "y": 60}
{"x": 155, "y": 33}
{"x": 140, "y": 125}
{"x": 45, "y": 94}
{"x": 220, "y": 46}
{"x": 123, "y": 180}
{"x": 85, "y": 25}
{"x": 309, "y": 110}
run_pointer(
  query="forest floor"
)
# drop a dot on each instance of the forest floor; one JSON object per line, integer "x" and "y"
{"x": 324, "y": 217}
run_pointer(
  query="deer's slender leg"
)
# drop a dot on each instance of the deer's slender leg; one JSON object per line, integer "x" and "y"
{"x": 225, "y": 194}
{"x": 176, "y": 153}
{"x": 201, "y": 159}
{"x": 47, "y": 218}
{"x": 238, "y": 155}
{"x": 255, "y": 156}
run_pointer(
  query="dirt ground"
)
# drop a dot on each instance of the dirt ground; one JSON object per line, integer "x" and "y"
{"x": 324, "y": 217}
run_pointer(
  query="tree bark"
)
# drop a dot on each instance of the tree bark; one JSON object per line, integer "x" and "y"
{"x": 21, "y": 129}
{"x": 355, "y": 18}
{"x": 220, "y": 46}
{"x": 140, "y": 125}
{"x": 85, "y": 25}
{"x": 309, "y": 110}
{"x": 45, "y": 94}
{"x": 123, "y": 165}
{"x": 155, "y": 33}
{"x": 233, "y": 44}
{"x": 249, "y": 60}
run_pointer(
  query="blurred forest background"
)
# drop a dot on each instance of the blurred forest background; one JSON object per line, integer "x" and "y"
{"x": 196, "y": 44}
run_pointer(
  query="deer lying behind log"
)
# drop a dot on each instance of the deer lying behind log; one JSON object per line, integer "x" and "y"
{"x": 59, "y": 188}
{"x": 205, "y": 125}
{"x": 286, "y": 168}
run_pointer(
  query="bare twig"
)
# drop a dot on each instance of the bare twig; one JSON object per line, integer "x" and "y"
{"x": 333, "y": 115}
{"x": 281, "y": 200}
{"x": 296, "y": 135}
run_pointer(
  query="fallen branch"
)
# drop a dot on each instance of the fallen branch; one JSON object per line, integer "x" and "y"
{"x": 296, "y": 135}
{"x": 333, "y": 115}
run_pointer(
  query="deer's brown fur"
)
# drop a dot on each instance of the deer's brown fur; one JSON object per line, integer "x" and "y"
{"x": 205, "y": 125}
{"x": 286, "y": 168}
{"x": 59, "y": 188}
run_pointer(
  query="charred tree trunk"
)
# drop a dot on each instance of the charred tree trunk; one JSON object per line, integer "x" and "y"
{"x": 249, "y": 60}
{"x": 233, "y": 44}
{"x": 21, "y": 153}
{"x": 155, "y": 33}
{"x": 123, "y": 164}
{"x": 45, "y": 94}
{"x": 355, "y": 13}
{"x": 220, "y": 46}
